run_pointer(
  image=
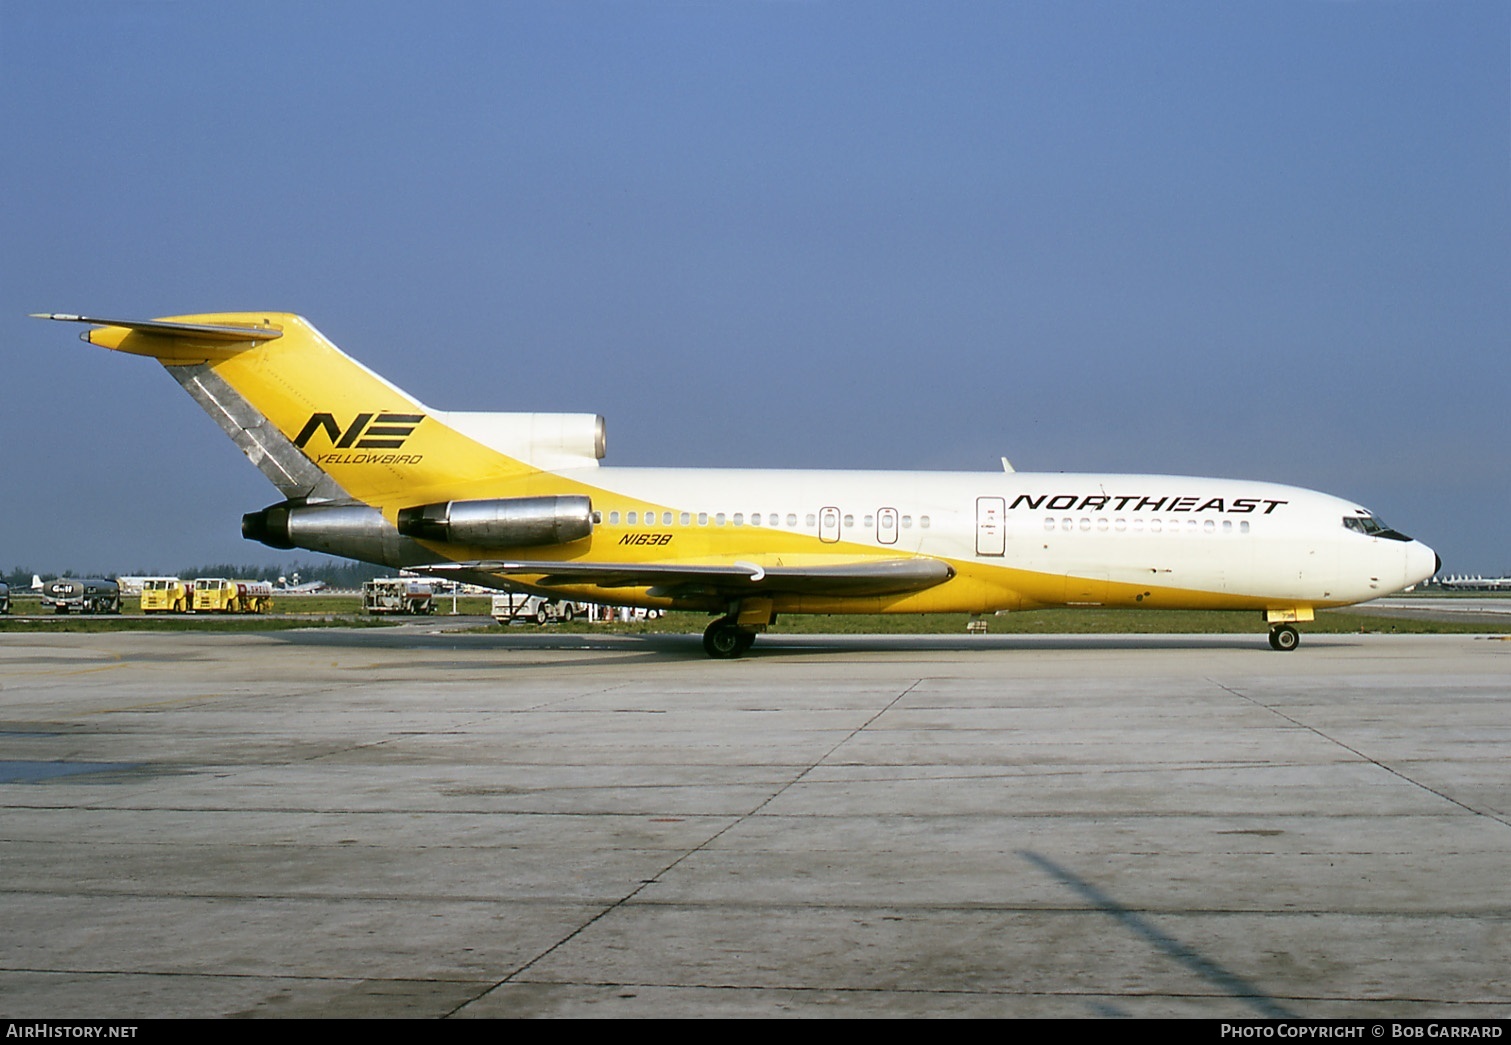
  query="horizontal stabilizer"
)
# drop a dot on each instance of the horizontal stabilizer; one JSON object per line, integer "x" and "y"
{"x": 165, "y": 328}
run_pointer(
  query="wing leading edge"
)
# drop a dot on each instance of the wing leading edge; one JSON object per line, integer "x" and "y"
{"x": 867, "y": 577}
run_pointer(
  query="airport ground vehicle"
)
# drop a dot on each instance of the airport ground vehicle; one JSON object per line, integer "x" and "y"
{"x": 397, "y": 595}
{"x": 166, "y": 595}
{"x": 522, "y": 606}
{"x": 82, "y": 595}
{"x": 219, "y": 595}
{"x": 519, "y": 500}
{"x": 629, "y": 614}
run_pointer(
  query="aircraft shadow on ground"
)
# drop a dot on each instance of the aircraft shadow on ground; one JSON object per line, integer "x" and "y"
{"x": 690, "y": 646}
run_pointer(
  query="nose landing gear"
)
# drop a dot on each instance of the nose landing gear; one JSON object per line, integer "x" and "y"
{"x": 1284, "y": 638}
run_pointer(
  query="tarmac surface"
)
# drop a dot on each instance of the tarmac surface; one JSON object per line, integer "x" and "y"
{"x": 1488, "y": 609}
{"x": 406, "y": 822}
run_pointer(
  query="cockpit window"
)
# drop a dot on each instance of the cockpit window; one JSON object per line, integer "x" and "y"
{"x": 1372, "y": 526}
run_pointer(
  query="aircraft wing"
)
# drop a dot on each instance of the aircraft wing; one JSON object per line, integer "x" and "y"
{"x": 865, "y": 577}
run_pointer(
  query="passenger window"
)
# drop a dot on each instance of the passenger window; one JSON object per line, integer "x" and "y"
{"x": 613, "y": 518}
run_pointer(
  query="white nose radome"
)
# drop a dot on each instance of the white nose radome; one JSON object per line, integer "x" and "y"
{"x": 1421, "y": 562}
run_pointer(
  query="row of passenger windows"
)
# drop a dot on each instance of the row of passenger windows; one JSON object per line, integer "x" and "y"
{"x": 740, "y": 519}
{"x": 1066, "y": 524}
{"x": 1102, "y": 524}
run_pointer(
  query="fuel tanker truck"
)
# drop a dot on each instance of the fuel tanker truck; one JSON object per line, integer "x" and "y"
{"x": 218, "y": 595}
{"x": 82, "y": 595}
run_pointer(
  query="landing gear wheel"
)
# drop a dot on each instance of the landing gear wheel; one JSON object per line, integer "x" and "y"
{"x": 1284, "y": 638}
{"x": 725, "y": 640}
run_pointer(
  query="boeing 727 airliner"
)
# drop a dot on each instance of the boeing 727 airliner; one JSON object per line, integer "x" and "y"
{"x": 520, "y": 500}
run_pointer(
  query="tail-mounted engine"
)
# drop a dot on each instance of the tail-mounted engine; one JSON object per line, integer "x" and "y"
{"x": 354, "y": 531}
{"x": 509, "y": 522}
{"x": 358, "y": 531}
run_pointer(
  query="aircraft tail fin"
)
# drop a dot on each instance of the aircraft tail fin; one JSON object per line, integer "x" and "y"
{"x": 320, "y": 425}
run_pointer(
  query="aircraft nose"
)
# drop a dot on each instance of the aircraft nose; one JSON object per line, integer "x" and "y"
{"x": 1421, "y": 562}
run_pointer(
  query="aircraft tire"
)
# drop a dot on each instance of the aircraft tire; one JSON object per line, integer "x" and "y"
{"x": 724, "y": 640}
{"x": 1284, "y": 638}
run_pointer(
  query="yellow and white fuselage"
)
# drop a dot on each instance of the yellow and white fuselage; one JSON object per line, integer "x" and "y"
{"x": 369, "y": 472}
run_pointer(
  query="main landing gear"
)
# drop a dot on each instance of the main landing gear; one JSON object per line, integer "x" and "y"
{"x": 1284, "y": 638}
{"x": 724, "y": 639}
{"x": 732, "y": 634}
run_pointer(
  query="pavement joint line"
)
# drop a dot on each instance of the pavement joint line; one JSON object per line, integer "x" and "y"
{"x": 795, "y": 988}
{"x": 710, "y": 840}
{"x": 1488, "y": 814}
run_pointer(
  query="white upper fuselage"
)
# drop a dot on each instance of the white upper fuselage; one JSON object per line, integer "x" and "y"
{"x": 1087, "y": 536}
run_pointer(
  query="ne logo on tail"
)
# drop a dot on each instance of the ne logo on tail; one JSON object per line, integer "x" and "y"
{"x": 387, "y": 432}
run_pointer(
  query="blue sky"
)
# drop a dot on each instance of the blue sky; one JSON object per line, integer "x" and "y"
{"x": 1256, "y": 239}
